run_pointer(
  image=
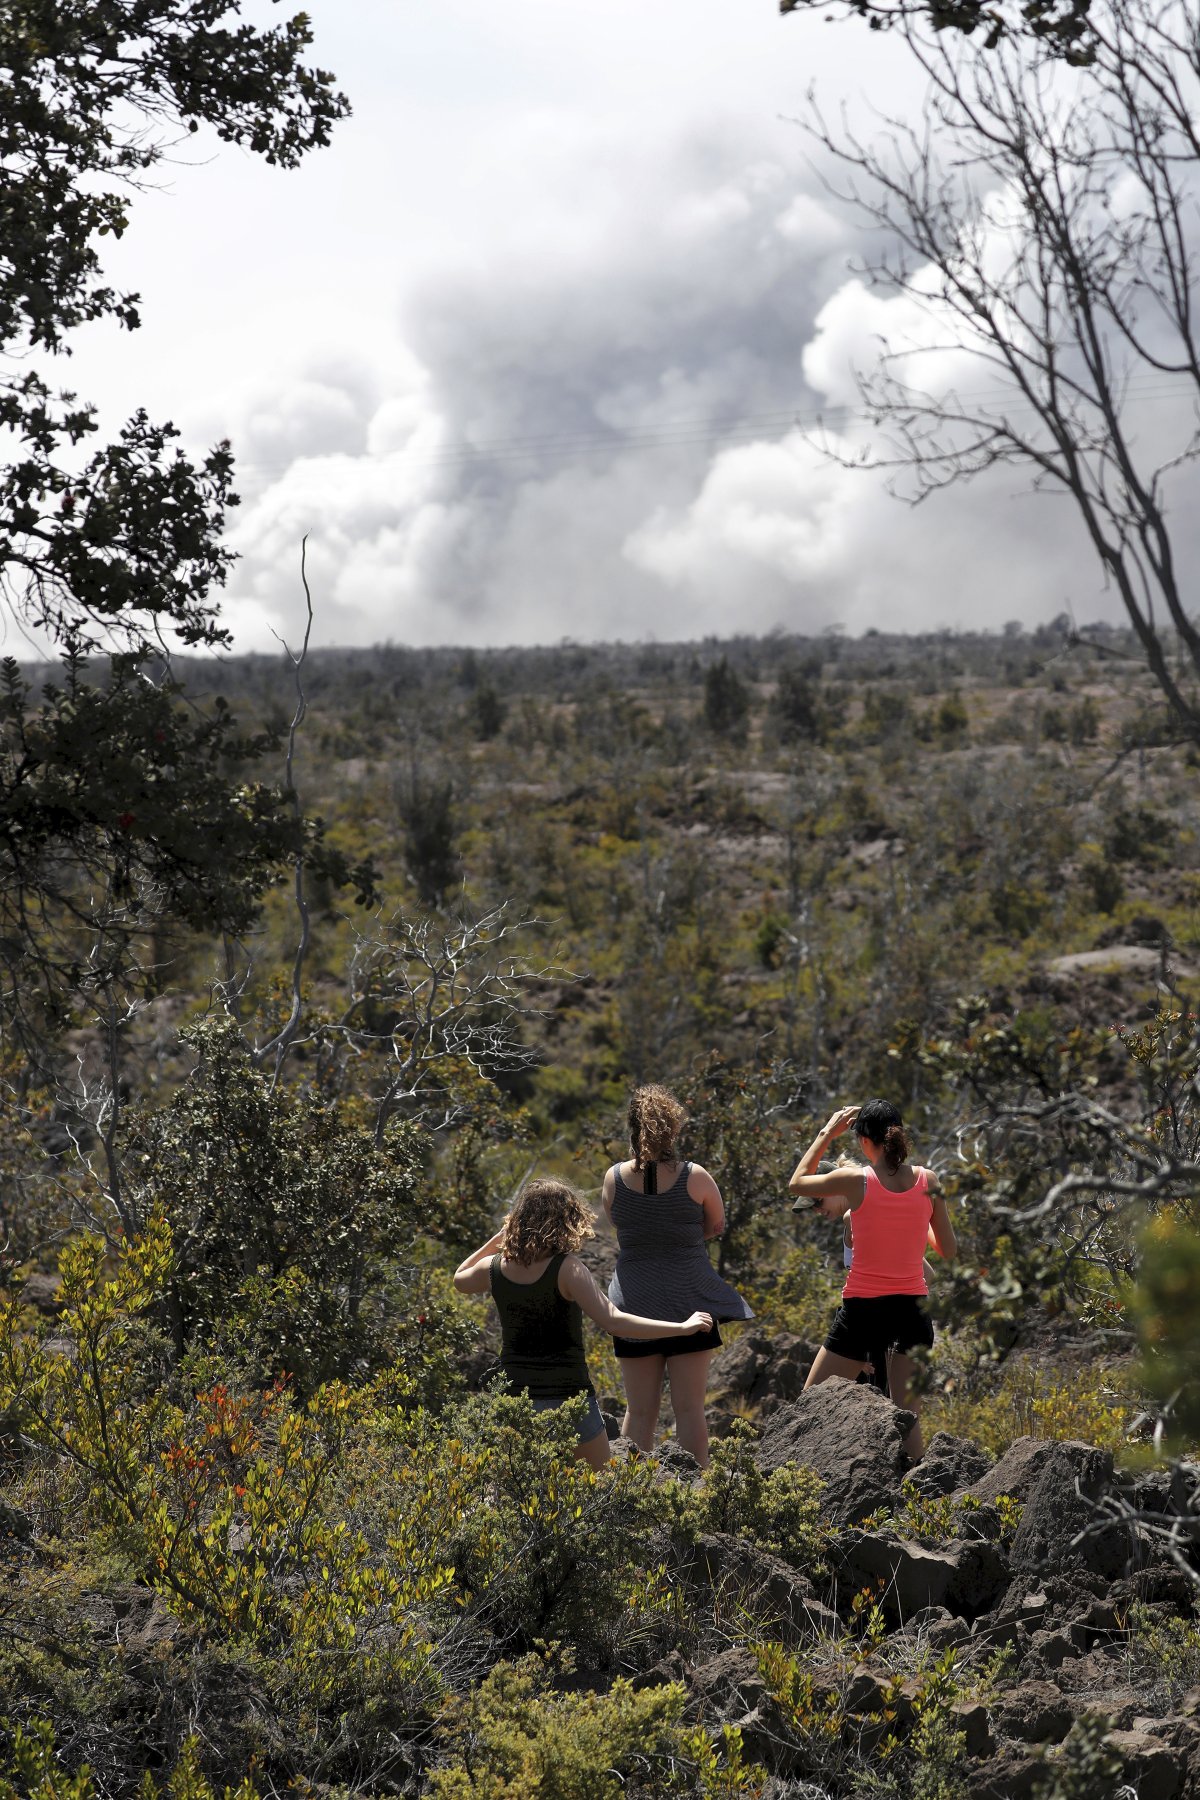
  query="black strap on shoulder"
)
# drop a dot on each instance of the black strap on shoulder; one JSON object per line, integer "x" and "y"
{"x": 650, "y": 1178}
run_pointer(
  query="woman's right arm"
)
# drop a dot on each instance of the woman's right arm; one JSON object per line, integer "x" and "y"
{"x": 576, "y": 1282}
{"x": 832, "y": 1195}
{"x": 833, "y": 1127}
{"x": 473, "y": 1274}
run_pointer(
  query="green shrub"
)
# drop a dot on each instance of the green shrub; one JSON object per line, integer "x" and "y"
{"x": 798, "y": 1289}
{"x": 1167, "y": 1309}
{"x": 920, "y": 1753}
{"x": 1169, "y": 1648}
{"x": 553, "y": 1548}
{"x": 519, "y": 1740}
{"x": 770, "y": 940}
{"x": 284, "y": 1214}
{"x": 1139, "y": 834}
{"x": 1086, "y": 1767}
{"x": 31, "y": 1771}
{"x": 1102, "y": 883}
{"x": 1026, "y": 1403}
{"x": 781, "y": 1511}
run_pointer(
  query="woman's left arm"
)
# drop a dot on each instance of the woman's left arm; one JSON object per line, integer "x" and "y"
{"x": 704, "y": 1191}
{"x": 608, "y": 1193}
{"x": 473, "y": 1275}
{"x": 943, "y": 1230}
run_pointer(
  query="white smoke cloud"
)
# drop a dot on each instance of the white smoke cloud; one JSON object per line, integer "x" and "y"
{"x": 609, "y": 431}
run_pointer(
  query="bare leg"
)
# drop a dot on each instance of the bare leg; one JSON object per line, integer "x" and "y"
{"x": 828, "y": 1364}
{"x": 689, "y": 1383}
{"x": 643, "y": 1378}
{"x": 595, "y": 1452}
{"x": 901, "y": 1369}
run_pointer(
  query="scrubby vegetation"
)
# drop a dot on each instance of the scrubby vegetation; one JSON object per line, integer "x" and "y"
{"x": 266, "y": 1526}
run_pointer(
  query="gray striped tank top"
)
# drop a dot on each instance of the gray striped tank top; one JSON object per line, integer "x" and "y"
{"x": 663, "y": 1271}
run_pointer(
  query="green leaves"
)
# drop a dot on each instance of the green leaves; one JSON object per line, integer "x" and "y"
{"x": 120, "y": 806}
{"x": 1167, "y": 1310}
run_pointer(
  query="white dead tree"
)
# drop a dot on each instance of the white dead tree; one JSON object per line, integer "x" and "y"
{"x": 435, "y": 993}
{"x": 1039, "y": 232}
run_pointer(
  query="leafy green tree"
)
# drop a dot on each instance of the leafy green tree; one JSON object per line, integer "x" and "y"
{"x": 117, "y": 804}
{"x": 739, "y": 1127}
{"x": 291, "y": 1226}
{"x": 795, "y": 706}
{"x": 430, "y": 830}
{"x": 726, "y": 699}
{"x": 128, "y": 540}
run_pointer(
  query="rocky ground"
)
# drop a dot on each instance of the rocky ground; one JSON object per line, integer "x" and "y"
{"x": 1049, "y": 1554}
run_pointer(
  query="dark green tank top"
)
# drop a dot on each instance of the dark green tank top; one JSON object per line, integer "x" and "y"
{"x": 542, "y": 1334}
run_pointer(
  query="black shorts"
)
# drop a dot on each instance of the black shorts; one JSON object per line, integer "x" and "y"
{"x": 864, "y": 1330}
{"x": 668, "y": 1346}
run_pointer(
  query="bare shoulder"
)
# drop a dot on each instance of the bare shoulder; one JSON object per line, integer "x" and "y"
{"x": 574, "y": 1276}
{"x": 701, "y": 1185}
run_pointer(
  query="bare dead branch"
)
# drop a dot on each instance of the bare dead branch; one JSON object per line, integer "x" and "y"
{"x": 282, "y": 1042}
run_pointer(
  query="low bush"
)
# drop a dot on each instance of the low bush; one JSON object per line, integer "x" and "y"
{"x": 1025, "y": 1403}
{"x": 780, "y": 1511}
{"x": 515, "y": 1738}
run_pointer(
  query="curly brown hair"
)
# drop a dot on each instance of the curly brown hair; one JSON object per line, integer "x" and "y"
{"x": 655, "y": 1121}
{"x": 548, "y": 1219}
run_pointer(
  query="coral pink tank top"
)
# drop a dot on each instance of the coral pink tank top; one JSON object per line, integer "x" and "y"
{"x": 890, "y": 1232}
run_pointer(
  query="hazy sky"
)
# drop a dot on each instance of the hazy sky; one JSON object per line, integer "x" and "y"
{"x": 524, "y": 349}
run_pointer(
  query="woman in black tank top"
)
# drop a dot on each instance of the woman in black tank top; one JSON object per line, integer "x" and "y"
{"x": 542, "y": 1290}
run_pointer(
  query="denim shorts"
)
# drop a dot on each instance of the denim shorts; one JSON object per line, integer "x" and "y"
{"x": 593, "y": 1422}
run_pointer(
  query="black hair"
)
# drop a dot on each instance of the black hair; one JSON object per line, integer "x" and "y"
{"x": 881, "y": 1123}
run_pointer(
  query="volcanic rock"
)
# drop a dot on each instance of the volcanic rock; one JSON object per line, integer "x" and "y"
{"x": 851, "y": 1436}
{"x": 949, "y": 1464}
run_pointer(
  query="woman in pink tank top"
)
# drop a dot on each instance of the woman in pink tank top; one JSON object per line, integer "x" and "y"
{"x": 895, "y": 1208}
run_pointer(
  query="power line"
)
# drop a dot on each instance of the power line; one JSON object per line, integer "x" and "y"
{"x": 685, "y": 433}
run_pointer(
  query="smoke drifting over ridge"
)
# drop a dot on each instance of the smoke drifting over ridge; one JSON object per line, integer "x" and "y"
{"x": 592, "y": 436}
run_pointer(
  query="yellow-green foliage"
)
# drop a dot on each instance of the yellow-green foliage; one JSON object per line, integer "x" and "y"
{"x": 1085, "y": 1766}
{"x": 721, "y": 1771}
{"x": 810, "y": 1708}
{"x": 1170, "y": 1647}
{"x": 551, "y": 1547}
{"x": 345, "y": 1534}
{"x": 800, "y": 1290}
{"x": 1026, "y": 1403}
{"x": 222, "y": 1503}
{"x": 31, "y": 1771}
{"x": 516, "y": 1739}
{"x": 781, "y": 1510}
{"x": 949, "y": 1516}
{"x": 1167, "y": 1307}
{"x": 916, "y": 1751}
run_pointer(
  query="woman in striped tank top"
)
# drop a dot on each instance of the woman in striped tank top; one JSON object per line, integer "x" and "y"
{"x": 664, "y": 1210}
{"x": 896, "y": 1209}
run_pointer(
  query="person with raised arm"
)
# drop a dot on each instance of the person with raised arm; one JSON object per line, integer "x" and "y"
{"x": 541, "y": 1287}
{"x": 897, "y": 1208}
